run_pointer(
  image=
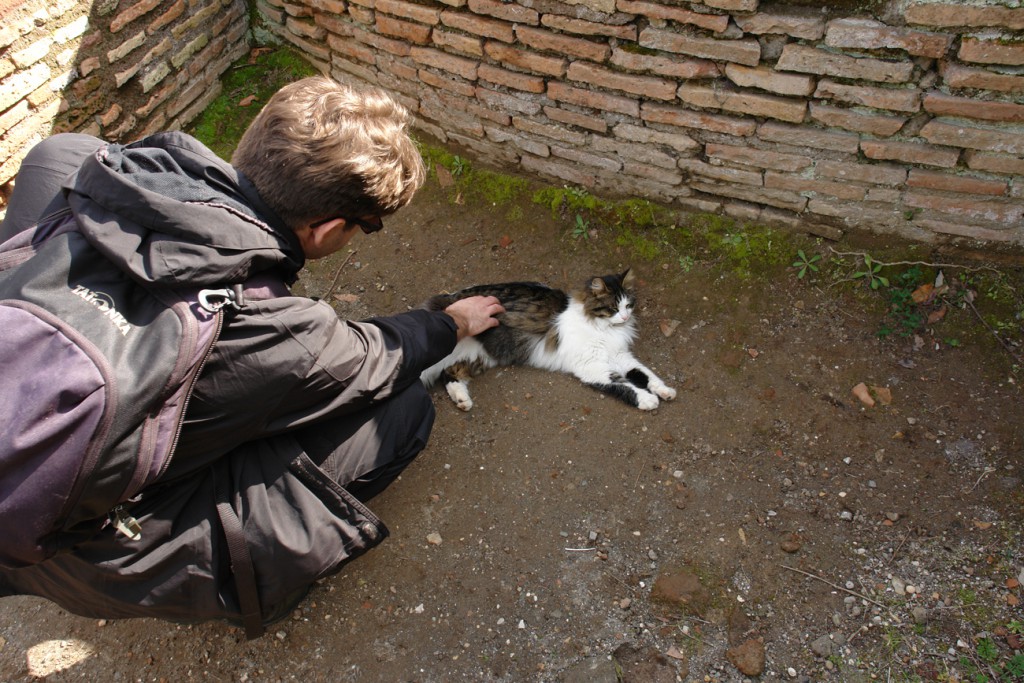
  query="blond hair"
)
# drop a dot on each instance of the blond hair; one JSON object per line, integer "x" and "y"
{"x": 321, "y": 149}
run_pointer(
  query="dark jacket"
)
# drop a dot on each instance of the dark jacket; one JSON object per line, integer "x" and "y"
{"x": 169, "y": 212}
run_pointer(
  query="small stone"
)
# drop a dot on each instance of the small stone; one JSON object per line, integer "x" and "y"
{"x": 920, "y": 615}
{"x": 892, "y": 516}
{"x": 625, "y": 603}
{"x": 434, "y": 538}
{"x": 652, "y": 555}
{"x": 747, "y": 657}
{"x": 792, "y": 672}
{"x": 790, "y": 546}
{"x": 846, "y": 515}
{"x": 281, "y": 635}
{"x": 823, "y": 646}
{"x": 899, "y": 586}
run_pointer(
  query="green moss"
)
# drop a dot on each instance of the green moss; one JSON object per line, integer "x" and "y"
{"x": 221, "y": 125}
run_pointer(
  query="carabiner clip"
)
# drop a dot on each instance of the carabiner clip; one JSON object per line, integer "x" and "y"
{"x": 215, "y": 299}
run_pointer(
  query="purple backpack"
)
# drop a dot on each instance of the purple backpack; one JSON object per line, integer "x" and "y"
{"x": 97, "y": 372}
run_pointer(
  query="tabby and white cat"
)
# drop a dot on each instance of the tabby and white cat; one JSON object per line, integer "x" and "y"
{"x": 587, "y": 334}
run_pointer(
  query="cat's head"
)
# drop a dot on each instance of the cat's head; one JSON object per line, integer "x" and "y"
{"x": 609, "y": 298}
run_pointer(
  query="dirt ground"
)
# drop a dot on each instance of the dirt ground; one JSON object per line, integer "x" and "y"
{"x": 767, "y": 525}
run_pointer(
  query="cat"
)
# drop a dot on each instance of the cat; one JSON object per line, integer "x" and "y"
{"x": 587, "y": 334}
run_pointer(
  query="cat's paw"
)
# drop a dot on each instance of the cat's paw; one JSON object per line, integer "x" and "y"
{"x": 460, "y": 394}
{"x": 665, "y": 393}
{"x": 646, "y": 401}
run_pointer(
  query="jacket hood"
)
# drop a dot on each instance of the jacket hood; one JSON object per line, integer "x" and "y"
{"x": 168, "y": 211}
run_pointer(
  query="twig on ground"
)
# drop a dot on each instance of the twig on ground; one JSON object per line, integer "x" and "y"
{"x": 988, "y": 327}
{"x": 837, "y": 587}
{"x": 988, "y": 471}
{"x": 327, "y": 296}
{"x": 909, "y": 531}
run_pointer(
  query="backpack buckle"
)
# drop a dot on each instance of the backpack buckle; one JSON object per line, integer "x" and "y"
{"x": 214, "y": 300}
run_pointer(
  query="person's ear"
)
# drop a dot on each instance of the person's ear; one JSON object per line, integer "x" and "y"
{"x": 314, "y": 237}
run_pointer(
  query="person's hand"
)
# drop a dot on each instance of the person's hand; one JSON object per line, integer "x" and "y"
{"x": 475, "y": 314}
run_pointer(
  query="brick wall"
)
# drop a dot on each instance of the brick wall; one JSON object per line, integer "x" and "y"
{"x": 907, "y": 119}
{"x": 117, "y": 69}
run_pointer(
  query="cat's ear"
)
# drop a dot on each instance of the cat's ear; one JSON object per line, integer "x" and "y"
{"x": 627, "y": 278}
{"x": 597, "y": 285}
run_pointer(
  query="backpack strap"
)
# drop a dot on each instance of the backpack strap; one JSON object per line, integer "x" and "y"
{"x": 241, "y": 564}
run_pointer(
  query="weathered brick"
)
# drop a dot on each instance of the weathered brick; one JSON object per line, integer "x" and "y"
{"x": 872, "y": 35}
{"x": 587, "y": 159}
{"x": 572, "y": 118}
{"x": 629, "y": 150}
{"x": 604, "y": 6}
{"x": 306, "y": 29}
{"x": 651, "y": 172}
{"x": 993, "y": 51}
{"x": 876, "y": 174}
{"x": 336, "y": 7}
{"x": 409, "y": 10}
{"x": 893, "y": 99}
{"x": 458, "y": 42}
{"x": 759, "y": 158}
{"x": 806, "y": 136}
{"x": 399, "y": 48}
{"x": 812, "y": 60}
{"x": 20, "y": 84}
{"x": 406, "y": 30}
{"x": 28, "y": 56}
{"x": 743, "y": 102}
{"x": 153, "y": 77}
{"x": 352, "y": 49}
{"x": 509, "y": 102}
{"x": 770, "y": 80}
{"x": 456, "y": 85}
{"x": 996, "y": 210}
{"x": 733, "y": 5}
{"x": 196, "y": 19}
{"x": 783, "y": 199}
{"x": 479, "y": 26}
{"x": 588, "y": 28}
{"x": 806, "y": 25}
{"x": 874, "y": 124}
{"x": 785, "y": 181}
{"x": 172, "y": 13}
{"x": 972, "y": 108}
{"x": 910, "y": 152}
{"x": 945, "y": 132}
{"x": 134, "y": 12}
{"x": 650, "y": 136}
{"x": 554, "y": 132}
{"x": 361, "y": 14}
{"x": 126, "y": 47}
{"x": 460, "y": 66}
{"x": 654, "y": 88}
{"x": 190, "y": 49}
{"x": 683, "y": 69}
{"x": 685, "y": 118}
{"x": 857, "y": 213}
{"x": 740, "y": 51}
{"x": 7, "y": 67}
{"x": 716, "y": 23}
{"x": 959, "y": 76}
{"x": 15, "y": 114}
{"x": 511, "y": 79}
{"x": 517, "y": 14}
{"x": 950, "y": 182}
{"x": 312, "y": 51}
{"x": 724, "y": 173}
{"x": 528, "y": 145}
{"x": 561, "y": 92}
{"x": 987, "y": 161}
{"x": 335, "y": 25}
{"x": 541, "y": 39}
{"x": 960, "y": 229}
{"x": 531, "y": 61}
{"x": 960, "y": 14}
{"x": 568, "y": 172}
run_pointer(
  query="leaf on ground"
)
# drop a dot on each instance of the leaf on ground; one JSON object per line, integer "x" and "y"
{"x": 668, "y": 326}
{"x": 982, "y": 525}
{"x": 444, "y": 177}
{"x": 923, "y": 293}
{"x": 674, "y": 653}
{"x": 936, "y": 316}
{"x": 255, "y": 53}
{"x": 347, "y": 298}
{"x": 246, "y": 101}
{"x": 753, "y": 353}
{"x": 505, "y": 242}
{"x": 863, "y": 394}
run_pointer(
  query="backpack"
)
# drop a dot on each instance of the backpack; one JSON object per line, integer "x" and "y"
{"x": 97, "y": 373}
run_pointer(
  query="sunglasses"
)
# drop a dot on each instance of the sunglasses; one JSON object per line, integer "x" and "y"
{"x": 368, "y": 227}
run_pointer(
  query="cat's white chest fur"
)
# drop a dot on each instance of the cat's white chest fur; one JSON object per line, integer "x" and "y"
{"x": 583, "y": 342}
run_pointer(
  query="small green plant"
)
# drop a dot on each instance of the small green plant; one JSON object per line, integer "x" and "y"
{"x": 988, "y": 651}
{"x": 1015, "y": 667}
{"x": 581, "y": 229}
{"x": 803, "y": 264}
{"x": 1015, "y": 626}
{"x": 686, "y": 263}
{"x": 460, "y": 166}
{"x": 871, "y": 273}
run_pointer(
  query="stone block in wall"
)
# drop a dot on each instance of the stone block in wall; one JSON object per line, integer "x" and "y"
{"x": 783, "y": 199}
{"x": 910, "y": 152}
{"x": 132, "y": 13}
{"x": 460, "y": 66}
{"x": 524, "y": 59}
{"x": 399, "y": 48}
{"x": 569, "y": 137}
{"x": 959, "y": 229}
{"x": 873, "y": 35}
{"x": 646, "y": 86}
{"x": 352, "y": 49}
{"x": 768, "y": 79}
{"x": 305, "y": 29}
{"x": 813, "y": 186}
{"x": 584, "y": 158}
{"x": 960, "y": 76}
{"x": 725, "y": 174}
{"x": 517, "y": 14}
{"x": 987, "y": 139}
{"x": 732, "y": 5}
{"x": 646, "y": 154}
{"x": 805, "y": 25}
{"x": 417, "y": 34}
{"x": 806, "y": 59}
{"x": 683, "y": 69}
{"x": 716, "y": 23}
{"x": 662, "y": 176}
{"x": 743, "y": 102}
{"x": 408, "y": 10}
{"x": 511, "y": 79}
{"x": 479, "y": 26}
{"x": 1003, "y": 211}
{"x": 958, "y": 14}
{"x": 605, "y": 6}
{"x": 453, "y": 85}
{"x": 526, "y": 144}
{"x": 991, "y": 51}
{"x": 874, "y": 124}
{"x": 575, "y": 118}
{"x": 31, "y": 54}
{"x": 905, "y": 99}
{"x": 560, "y": 92}
{"x": 126, "y": 47}
{"x": 746, "y": 51}
{"x": 687, "y": 118}
{"x": 568, "y": 172}
{"x": 541, "y": 39}
{"x": 21, "y": 83}
{"x": 680, "y": 142}
{"x": 470, "y": 45}
{"x": 994, "y": 163}
{"x": 973, "y": 108}
{"x": 517, "y": 103}
{"x": 806, "y": 136}
{"x": 758, "y": 158}
{"x": 953, "y": 182}
{"x": 874, "y": 174}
